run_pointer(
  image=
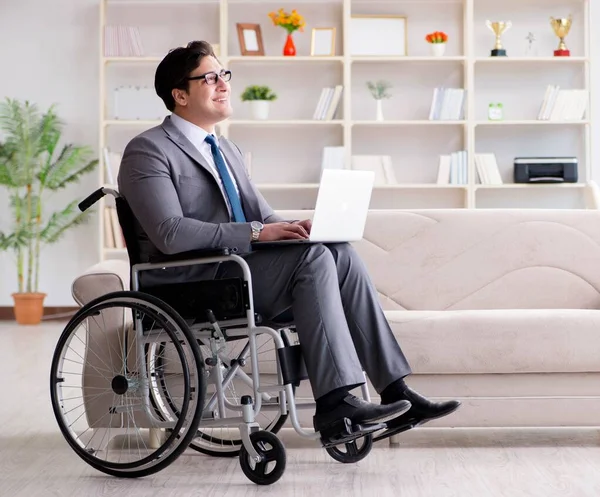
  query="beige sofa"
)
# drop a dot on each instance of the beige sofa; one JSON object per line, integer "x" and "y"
{"x": 498, "y": 308}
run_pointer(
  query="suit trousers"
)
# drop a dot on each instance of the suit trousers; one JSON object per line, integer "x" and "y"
{"x": 340, "y": 324}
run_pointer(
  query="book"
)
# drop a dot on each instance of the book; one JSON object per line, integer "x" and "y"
{"x": 328, "y": 103}
{"x": 563, "y": 105}
{"x": 447, "y": 104}
{"x": 487, "y": 169}
{"x": 381, "y": 165}
{"x": 122, "y": 41}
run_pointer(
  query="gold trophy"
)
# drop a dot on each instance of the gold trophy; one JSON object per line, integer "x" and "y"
{"x": 498, "y": 27}
{"x": 561, "y": 28}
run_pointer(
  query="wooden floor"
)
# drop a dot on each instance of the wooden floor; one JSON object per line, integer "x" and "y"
{"x": 36, "y": 461}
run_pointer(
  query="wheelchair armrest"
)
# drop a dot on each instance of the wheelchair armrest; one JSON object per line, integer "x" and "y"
{"x": 190, "y": 254}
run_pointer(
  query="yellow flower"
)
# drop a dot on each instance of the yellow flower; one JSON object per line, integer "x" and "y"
{"x": 290, "y": 21}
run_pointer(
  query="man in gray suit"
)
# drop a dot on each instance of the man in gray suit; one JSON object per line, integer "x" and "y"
{"x": 189, "y": 190}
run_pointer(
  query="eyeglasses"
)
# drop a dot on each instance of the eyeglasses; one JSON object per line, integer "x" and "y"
{"x": 211, "y": 77}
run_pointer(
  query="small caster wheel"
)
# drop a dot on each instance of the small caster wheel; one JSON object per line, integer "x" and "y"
{"x": 271, "y": 468}
{"x": 353, "y": 451}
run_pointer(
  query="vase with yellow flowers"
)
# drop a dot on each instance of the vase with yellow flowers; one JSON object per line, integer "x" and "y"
{"x": 291, "y": 22}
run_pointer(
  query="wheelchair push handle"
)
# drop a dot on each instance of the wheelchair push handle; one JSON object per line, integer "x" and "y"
{"x": 94, "y": 197}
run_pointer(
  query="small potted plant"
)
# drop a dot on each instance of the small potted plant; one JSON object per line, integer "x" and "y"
{"x": 259, "y": 98}
{"x": 378, "y": 90}
{"x": 437, "y": 40}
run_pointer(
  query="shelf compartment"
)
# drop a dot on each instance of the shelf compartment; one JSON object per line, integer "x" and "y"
{"x": 530, "y": 16}
{"x": 408, "y": 122}
{"x": 286, "y": 156}
{"x": 530, "y": 122}
{"x": 280, "y": 59}
{"x": 529, "y": 185}
{"x": 521, "y": 94}
{"x": 132, "y": 60}
{"x": 133, "y": 122}
{"x": 359, "y": 59}
{"x": 411, "y": 92}
{"x": 509, "y": 142}
{"x": 415, "y": 153}
{"x": 284, "y": 122}
{"x": 528, "y": 60}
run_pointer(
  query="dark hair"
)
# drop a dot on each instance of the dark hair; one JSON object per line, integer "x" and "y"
{"x": 177, "y": 65}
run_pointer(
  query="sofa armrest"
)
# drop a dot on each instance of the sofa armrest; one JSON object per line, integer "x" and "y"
{"x": 111, "y": 275}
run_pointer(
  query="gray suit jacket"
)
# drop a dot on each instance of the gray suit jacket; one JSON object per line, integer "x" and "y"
{"x": 178, "y": 204}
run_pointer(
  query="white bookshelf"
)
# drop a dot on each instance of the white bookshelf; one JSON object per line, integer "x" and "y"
{"x": 286, "y": 149}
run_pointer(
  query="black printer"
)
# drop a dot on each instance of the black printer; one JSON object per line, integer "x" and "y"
{"x": 545, "y": 170}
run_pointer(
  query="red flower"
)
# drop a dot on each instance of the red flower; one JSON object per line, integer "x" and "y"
{"x": 437, "y": 37}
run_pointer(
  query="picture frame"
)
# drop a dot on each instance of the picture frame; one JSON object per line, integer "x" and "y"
{"x": 250, "y": 39}
{"x": 322, "y": 42}
{"x": 378, "y": 35}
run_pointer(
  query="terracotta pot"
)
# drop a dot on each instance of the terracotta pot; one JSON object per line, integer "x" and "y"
{"x": 29, "y": 307}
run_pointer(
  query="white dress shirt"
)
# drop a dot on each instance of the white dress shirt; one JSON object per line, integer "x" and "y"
{"x": 196, "y": 135}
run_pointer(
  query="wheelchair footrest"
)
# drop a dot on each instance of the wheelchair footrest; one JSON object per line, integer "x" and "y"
{"x": 344, "y": 432}
{"x": 390, "y": 432}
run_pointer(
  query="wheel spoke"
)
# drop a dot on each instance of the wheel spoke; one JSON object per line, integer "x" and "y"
{"x": 261, "y": 468}
{"x": 352, "y": 448}
{"x": 270, "y": 455}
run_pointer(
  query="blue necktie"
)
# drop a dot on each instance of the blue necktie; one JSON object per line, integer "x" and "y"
{"x": 232, "y": 195}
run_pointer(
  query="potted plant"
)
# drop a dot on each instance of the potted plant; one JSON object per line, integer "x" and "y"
{"x": 259, "y": 98}
{"x": 437, "y": 41}
{"x": 378, "y": 90}
{"x": 290, "y": 22}
{"x": 32, "y": 164}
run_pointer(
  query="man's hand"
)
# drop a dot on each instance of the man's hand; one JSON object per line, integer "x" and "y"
{"x": 282, "y": 231}
{"x": 306, "y": 224}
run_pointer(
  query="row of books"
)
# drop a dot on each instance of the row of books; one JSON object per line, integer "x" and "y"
{"x": 563, "y": 105}
{"x": 452, "y": 169}
{"x": 122, "y": 41}
{"x": 113, "y": 235}
{"x": 328, "y": 103}
{"x": 448, "y": 104}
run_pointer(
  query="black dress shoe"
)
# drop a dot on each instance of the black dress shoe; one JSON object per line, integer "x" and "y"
{"x": 358, "y": 412}
{"x": 421, "y": 411}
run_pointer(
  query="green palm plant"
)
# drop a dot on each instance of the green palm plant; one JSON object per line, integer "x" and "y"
{"x": 32, "y": 165}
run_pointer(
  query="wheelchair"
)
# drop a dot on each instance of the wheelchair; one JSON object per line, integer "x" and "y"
{"x": 138, "y": 376}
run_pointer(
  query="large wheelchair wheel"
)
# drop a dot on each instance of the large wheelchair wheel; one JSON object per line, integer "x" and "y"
{"x": 224, "y": 441}
{"x": 106, "y": 394}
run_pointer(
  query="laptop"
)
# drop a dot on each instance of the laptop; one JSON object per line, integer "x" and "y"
{"x": 341, "y": 210}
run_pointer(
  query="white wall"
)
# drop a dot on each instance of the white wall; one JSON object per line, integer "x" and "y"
{"x": 49, "y": 54}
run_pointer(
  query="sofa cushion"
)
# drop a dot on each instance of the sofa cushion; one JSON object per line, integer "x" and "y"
{"x": 455, "y": 259}
{"x": 497, "y": 341}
